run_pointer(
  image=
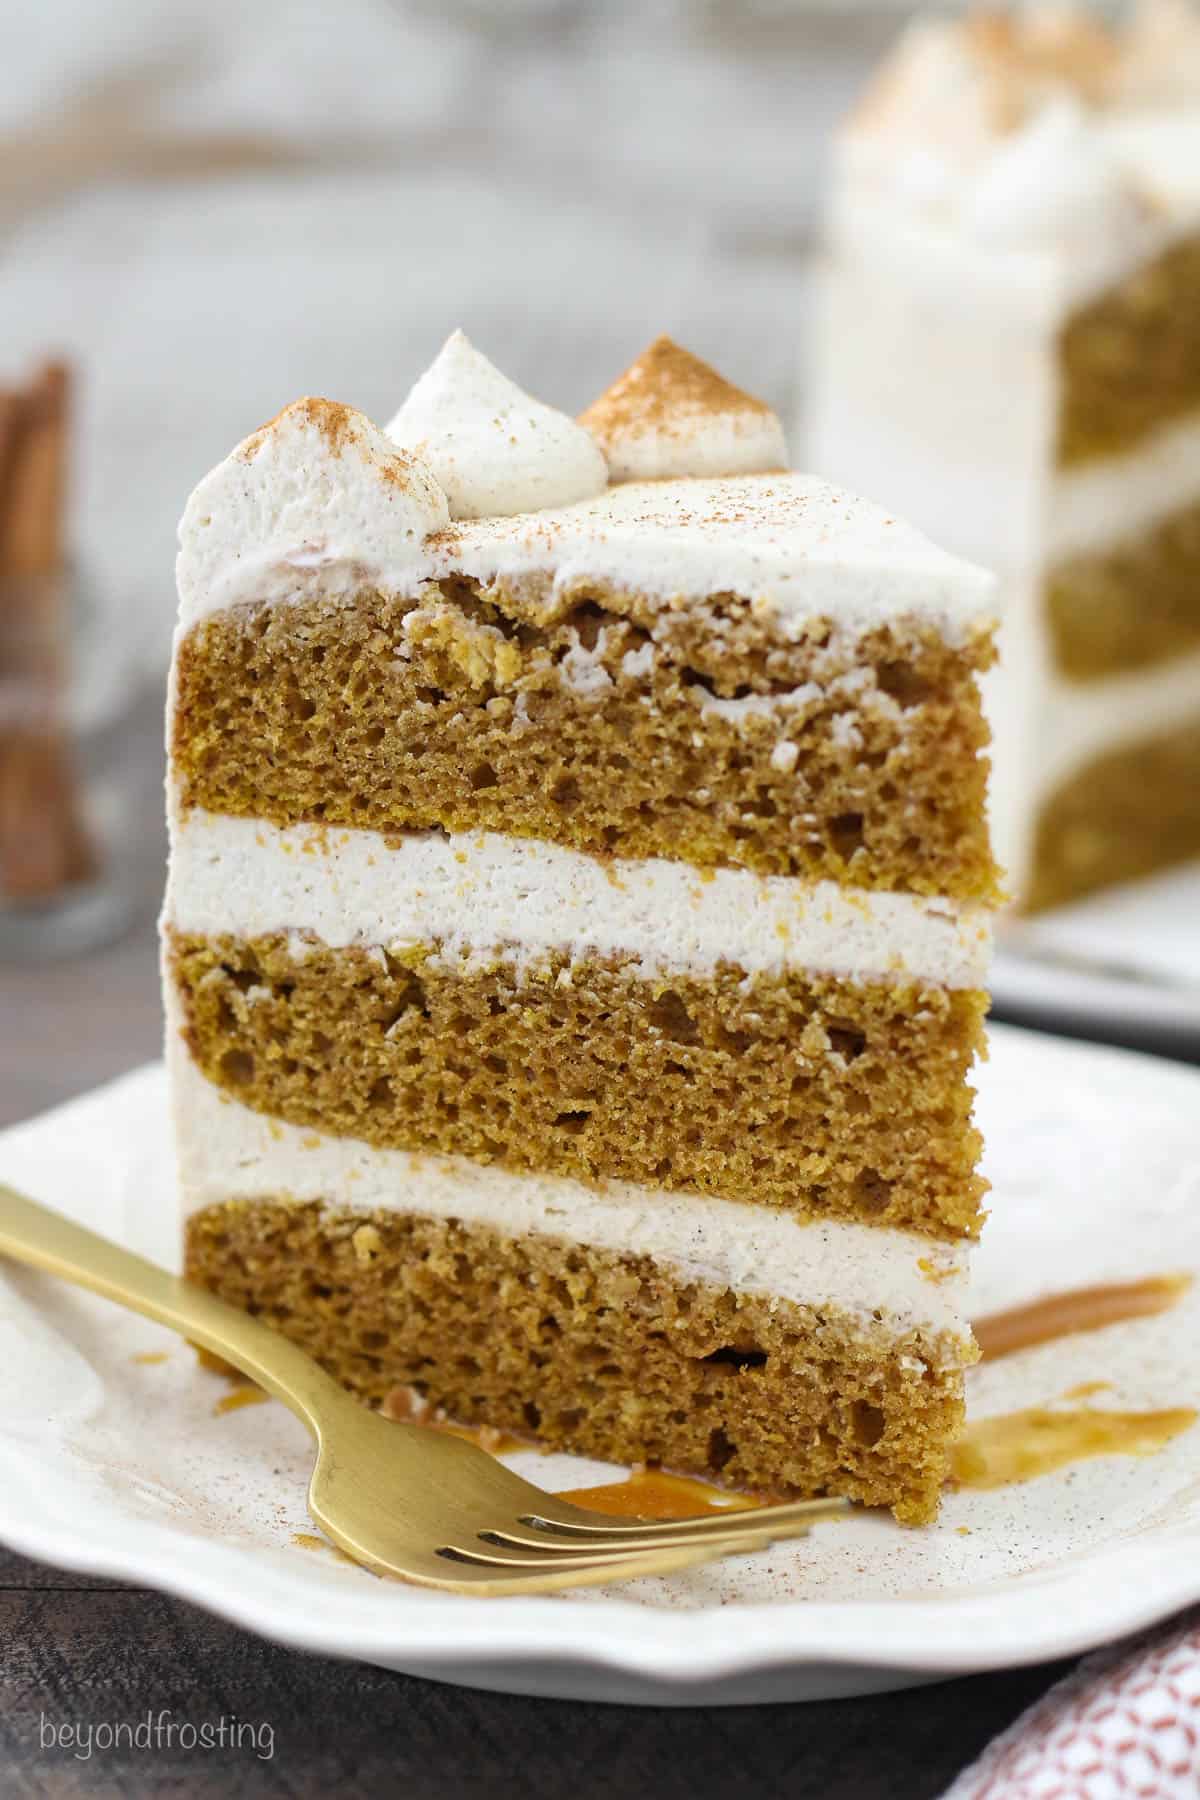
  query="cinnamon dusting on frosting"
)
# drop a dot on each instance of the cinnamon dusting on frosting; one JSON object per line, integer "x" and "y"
{"x": 341, "y": 428}
{"x": 1048, "y": 47}
{"x": 996, "y": 69}
{"x": 337, "y": 423}
{"x": 321, "y": 502}
{"x": 663, "y": 385}
{"x": 670, "y": 414}
{"x": 312, "y": 499}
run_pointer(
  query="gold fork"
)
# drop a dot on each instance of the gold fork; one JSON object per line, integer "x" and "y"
{"x": 399, "y": 1498}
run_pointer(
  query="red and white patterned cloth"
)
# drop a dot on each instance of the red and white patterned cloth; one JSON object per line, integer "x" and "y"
{"x": 1124, "y": 1725}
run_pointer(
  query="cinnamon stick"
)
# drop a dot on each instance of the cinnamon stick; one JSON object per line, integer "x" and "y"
{"x": 10, "y": 425}
{"x": 43, "y": 845}
{"x": 32, "y": 528}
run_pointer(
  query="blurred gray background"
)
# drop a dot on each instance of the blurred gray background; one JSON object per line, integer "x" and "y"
{"x": 217, "y": 206}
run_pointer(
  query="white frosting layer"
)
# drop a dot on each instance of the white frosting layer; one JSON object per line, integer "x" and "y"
{"x": 895, "y": 1279}
{"x": 799, "y": 548}
{"x": 318, "y": 499}
{"x": 493, "y": 449}
{"x": 1084, "y": 719}
{"x": 486, "y": 895}
{"x": 1054, "y": 183}
{"x": 1101, "y": 504}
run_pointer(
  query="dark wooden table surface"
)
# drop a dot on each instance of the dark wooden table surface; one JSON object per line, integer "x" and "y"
{"x": 84, "y": 1654}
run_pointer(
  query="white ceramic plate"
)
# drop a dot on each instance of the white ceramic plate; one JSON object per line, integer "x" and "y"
{"x": 118, "y": 1466}
{"x": 1123, "y": 962}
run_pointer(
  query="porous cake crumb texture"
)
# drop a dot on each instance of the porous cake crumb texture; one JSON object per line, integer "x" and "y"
{"x": 1130, "y": 360}
{"x": 1131, "y": 605}
{"x": 1123, "y": 815}
{"x": 594, "y": 1352}
{"x": 618, "y": 728}
{"x": 835, "y": 1098}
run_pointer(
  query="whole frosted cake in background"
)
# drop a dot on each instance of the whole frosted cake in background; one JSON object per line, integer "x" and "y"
{"x": 1007, "y": 349}
{"x": 577, "y": 926}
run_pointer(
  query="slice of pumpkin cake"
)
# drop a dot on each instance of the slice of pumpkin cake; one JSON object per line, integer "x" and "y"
{"x": 577, "y": 926}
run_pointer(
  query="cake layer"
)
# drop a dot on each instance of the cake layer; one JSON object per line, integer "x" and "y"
{"x": 602, "y": 1350}
{"x": 1124, "y": 813}
{"x": 822, "y": 1096}
{"x": 1132, "y": 605}
{"x": 1129, "y": 361}
{"x": 612, "y": 726}
{"x": 486, "y": 897}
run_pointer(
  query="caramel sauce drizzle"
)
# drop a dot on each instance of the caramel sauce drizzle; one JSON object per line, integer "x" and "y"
{"x": 307, "y": 1540}
{"x": 486, "y": 1437}
{"x": 653, "y": 1494}
{"x": 1018, "y": 1446}
{"x": 242, "y": 1396}
{"x": 1082, "y": 1309}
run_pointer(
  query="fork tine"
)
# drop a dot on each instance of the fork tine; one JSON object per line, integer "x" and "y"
{"x": 754, "y": 1525}
{"x": 556, "y": 1575}
{"x": 573, "y": 1526}
{"x": 518, "y": 1560}
{"x": 558, "y": 1547}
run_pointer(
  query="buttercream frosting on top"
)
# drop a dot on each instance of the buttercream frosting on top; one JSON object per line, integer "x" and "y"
{"x": 493, "y": 449}
{"x": 670, "y": 414}
{"x": 322, "y": 503}
{"x": 317, "y": 497}
{"x": 798, "y": 548}
{"x": 1038, "y": 129}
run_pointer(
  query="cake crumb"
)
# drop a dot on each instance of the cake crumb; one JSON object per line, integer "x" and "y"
{"x": 367, "y": 1243}
{"x": 406, "y": 1406}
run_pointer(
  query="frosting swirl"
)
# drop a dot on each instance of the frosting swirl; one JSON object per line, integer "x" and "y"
{"x": 318, "y": 498}
{"x": 494, "y": 450}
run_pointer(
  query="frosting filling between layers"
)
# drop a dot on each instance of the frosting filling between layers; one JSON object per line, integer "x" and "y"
{"x": 479, "y": 895}
{"x": 228, "y": 1152}
{"x": 1084, "y": 719}
{"x": 1104, "y": 503}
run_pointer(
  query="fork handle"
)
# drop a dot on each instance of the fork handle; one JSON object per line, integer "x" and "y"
{"x": 49, "y": 1241}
